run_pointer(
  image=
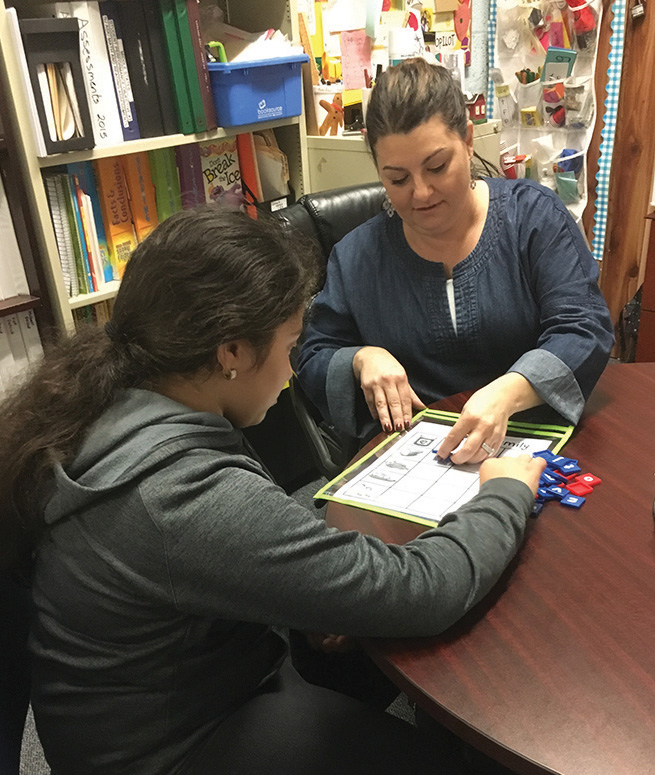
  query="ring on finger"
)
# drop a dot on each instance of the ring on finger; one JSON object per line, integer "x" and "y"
{"x": 489, "y": 450}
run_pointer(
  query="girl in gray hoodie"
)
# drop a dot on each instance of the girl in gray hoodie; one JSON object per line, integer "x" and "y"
{"x": 167, "y": 563}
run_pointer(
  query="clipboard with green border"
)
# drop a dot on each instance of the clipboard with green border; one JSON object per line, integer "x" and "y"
{"x": 554, "y": 437}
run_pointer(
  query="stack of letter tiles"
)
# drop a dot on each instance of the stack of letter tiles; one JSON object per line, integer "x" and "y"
{"x": 563, "y": 481}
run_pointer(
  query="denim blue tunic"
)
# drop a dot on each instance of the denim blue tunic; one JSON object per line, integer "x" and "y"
{"x": 526, "y": 300}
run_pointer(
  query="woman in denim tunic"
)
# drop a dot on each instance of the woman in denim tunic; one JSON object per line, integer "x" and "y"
{"x": 463, "y": 284}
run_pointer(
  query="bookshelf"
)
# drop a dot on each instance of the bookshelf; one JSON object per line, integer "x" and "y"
{"x": 14, "y": 187}
{"x": 252, "y": 15}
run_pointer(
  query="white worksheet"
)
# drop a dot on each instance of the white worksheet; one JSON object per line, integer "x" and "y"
{"x": 406, "y": 479}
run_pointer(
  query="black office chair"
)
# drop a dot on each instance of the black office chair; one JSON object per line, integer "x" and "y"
{"x": 15, "y": 603}
{"x": 326, "y": 217}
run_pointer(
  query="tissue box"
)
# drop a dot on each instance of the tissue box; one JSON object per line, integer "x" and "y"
{"x": 264, "y": 90}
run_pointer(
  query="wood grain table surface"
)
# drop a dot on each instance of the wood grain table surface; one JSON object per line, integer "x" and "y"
{"x": 555, "y": 670}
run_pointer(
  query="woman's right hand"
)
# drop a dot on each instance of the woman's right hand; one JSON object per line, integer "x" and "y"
{"x": 387, "y": 391}
{"x": 523, "y": 467}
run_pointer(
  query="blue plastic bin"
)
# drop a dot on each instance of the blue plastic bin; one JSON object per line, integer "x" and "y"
{"x": 263, "y": 90}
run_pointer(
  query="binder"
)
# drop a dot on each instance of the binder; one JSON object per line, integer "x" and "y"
{"x": 178, "y": 78}
{"x": 97, "y": 75}
{"x": 141, "y": 68}
{"x": 122, "y": 84}
{"x": 189, "y": 63}
{"x": 200, "y": 56}
{"x": 161, "y": 67}
{"x": 13, "y": 281}
{"x": 30, "y": 333}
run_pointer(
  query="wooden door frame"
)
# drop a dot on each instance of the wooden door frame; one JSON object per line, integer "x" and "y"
{"x": 633, "y": 158}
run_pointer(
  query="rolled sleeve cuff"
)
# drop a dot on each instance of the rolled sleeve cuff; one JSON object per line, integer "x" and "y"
{"x": 341, "y": 390}
{"x": 553, "y": 381}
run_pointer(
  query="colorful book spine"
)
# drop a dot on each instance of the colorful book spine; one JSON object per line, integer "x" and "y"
{"x": 189, "y": 166}
{"x": 189, "y": 63}
{"x": 116, "y": 213}
{"x": 122, "y": 86}
{"x": 141, "y": 190}
{"x": 165, "y": 178}
{"x": 178, "y": 78}
{"x": 87, "y": 179}
{"x": 86, "y": 259}
{"x": 221, "y": 172}
{"x": 80, "y": 269}
{"x": 98, "y": 80}
{"x": 193, "y": 15}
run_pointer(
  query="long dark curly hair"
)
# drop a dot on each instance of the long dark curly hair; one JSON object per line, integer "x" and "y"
{"x": 202, "y": 278}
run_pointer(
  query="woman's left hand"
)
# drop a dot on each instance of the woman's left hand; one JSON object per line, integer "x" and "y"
{"x": 481, "y": 428}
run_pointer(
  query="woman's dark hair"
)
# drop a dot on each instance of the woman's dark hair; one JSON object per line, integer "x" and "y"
{"x": 202, "y": 278}
{"x": 407, "y": 95}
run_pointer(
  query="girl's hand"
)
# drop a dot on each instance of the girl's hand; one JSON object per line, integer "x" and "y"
{"x": 523, "y": 467}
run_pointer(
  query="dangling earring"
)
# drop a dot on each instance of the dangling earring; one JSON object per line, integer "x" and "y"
{"x": 387, "y": 206}
{"x": 473, "y": 183}
{"x": 231, "y": 374}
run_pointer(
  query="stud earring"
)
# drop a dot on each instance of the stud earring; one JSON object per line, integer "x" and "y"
{"x": 230, "y": 375}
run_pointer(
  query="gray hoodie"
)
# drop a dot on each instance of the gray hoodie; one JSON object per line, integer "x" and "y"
{"x": 169, "y": 556}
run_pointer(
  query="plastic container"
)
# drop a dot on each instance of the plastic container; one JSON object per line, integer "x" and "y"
{"x": 263, "y": 90}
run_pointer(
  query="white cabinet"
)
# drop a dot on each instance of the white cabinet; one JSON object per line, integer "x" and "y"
{"x": 345, "y": 160}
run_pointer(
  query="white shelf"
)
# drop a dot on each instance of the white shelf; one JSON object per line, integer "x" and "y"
{"x": 108, "y": 292}
{"x": 152, "y": 143}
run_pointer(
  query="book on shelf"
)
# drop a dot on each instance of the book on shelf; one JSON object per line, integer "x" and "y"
{"x": 141, "y": 191}
{"x": 161, "y": 67}
{"x": 7, "y": 366}
{"x": 89, "y": 225}
{"x": 165, "y": 178}
{"x": 13, "y": 281}
{"x": 93, "y": 314}
{"x": 122, "y": 84}
{"x": 176, "y": 67}
{"x": 98, "y": 81}
{"x": 30, "y": 333}
{"x": 221, "y": 172}
{"x": 87, "y": 180}
{"x": 82, "y": 234}
{"x": 16, "y": 345}
{"x": 57, "y": 204}
{"x": 250, "y": 180}
{"x": 141, "y": 67}
{"x": 116, "y": 213}
{"x": 189, "y": 64}
{"x": 200, "y": 56}
{"x": 189, "y": 167}
{"x": 26, "y": 85}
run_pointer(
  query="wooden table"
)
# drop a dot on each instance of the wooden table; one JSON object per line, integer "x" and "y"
{"x": 555, "y": 670}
